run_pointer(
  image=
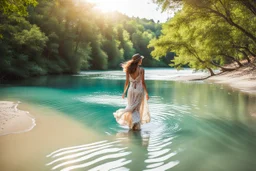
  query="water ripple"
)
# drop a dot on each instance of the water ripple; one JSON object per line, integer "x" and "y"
{"x": 159, "y": 156}
{"x": 89, "y": 155}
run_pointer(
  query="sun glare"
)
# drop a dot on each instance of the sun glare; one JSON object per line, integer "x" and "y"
{"x": 110, "y": 5}
{"x": 132, "y": 8}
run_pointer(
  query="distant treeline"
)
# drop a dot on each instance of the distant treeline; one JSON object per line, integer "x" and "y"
{"x": 66, "y": 36}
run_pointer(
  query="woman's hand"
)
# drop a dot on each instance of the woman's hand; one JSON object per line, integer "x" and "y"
{"x": 147, "y": 97}
{"x": 123, "y": 95}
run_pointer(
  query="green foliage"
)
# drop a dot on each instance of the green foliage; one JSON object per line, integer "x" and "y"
{"x": 22, "y": 46}
{"x": 125, "y": 42}
{"x": 100, "y": 58}
{"x": 33, "y": 40}
{"x": 207, "y": 34}
{"x": 59, "y": 37}
{"x": 16, "y": 6}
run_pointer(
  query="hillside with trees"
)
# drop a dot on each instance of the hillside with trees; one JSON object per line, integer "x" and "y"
{"x": 64, "y": 37}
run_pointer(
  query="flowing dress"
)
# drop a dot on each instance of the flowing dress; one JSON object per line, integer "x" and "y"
{"x": 136, "y": 111}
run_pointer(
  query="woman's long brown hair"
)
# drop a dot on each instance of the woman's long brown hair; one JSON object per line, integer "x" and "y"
{"x": 131, "y": 65}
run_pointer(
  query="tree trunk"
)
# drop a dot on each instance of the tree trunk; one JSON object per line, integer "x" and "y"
{"x": 234, "y": 59}
{"x": 245, "y": 55}
{"x": 253, "y": 54}
{"x": 249, "y": 51}
{"x": 222, "y": 68}
{"x": 211, "y": 71}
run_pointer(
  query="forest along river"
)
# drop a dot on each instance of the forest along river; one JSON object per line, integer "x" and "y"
{"x": 194, "y": 125}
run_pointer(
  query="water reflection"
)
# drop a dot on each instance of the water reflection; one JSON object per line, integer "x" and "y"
{"x": 151, "y": 146}
{"x": 137, "y": 143}
{"x": 137, "y": 137}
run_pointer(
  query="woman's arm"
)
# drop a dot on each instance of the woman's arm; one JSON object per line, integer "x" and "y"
{"x": 144, "y": 84}
{"x": 126, "y": 84}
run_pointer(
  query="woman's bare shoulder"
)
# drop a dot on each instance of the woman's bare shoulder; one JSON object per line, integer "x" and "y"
{"x": 141, "y": 70}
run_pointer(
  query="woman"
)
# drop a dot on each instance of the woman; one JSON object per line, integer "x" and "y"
{"x": 136, "y": 111}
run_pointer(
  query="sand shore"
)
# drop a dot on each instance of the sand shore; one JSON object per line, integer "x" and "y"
{"x": 190, "y": 77}
{"x": 54, "y": 130}
{"x": 243, "y": 79}
{"x": 13, "y": 120}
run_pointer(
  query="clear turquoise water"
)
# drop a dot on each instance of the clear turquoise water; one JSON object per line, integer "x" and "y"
{"x": 195, "y": 126}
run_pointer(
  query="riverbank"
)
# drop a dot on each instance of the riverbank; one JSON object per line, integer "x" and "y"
{"x": 13, "y": 120}
{"x": 53, "y": 130}
{"x": 243, "y": 79}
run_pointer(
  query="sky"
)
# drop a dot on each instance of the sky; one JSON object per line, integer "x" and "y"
{"x": 133, "y": 8}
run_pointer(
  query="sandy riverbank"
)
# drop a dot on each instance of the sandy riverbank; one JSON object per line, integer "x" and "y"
{"x": 13, "y": 120}
{"x": 28, "y": 151}
{"x": 190, "y": 77}
{"x": 243, "y": 79}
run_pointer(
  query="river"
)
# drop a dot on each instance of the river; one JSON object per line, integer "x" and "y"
{"x": 195, "y": 126}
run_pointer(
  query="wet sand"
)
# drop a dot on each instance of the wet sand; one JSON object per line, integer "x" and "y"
{"x": 28, "y": 150}
{"x": 190, "y": 77}
{"x": 243, "y": 79}
{"x": 13, "y": 120}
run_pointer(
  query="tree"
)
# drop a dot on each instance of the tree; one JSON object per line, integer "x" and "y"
{"x": 65, "y": 37}
{"x": 16, "y": 6}
{"x": 231, "y": 11}
{"x": 21, "y": 47}
{"x": 204, "y": 38}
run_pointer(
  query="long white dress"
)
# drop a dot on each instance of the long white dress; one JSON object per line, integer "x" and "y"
{"x": 136, "y": 111}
